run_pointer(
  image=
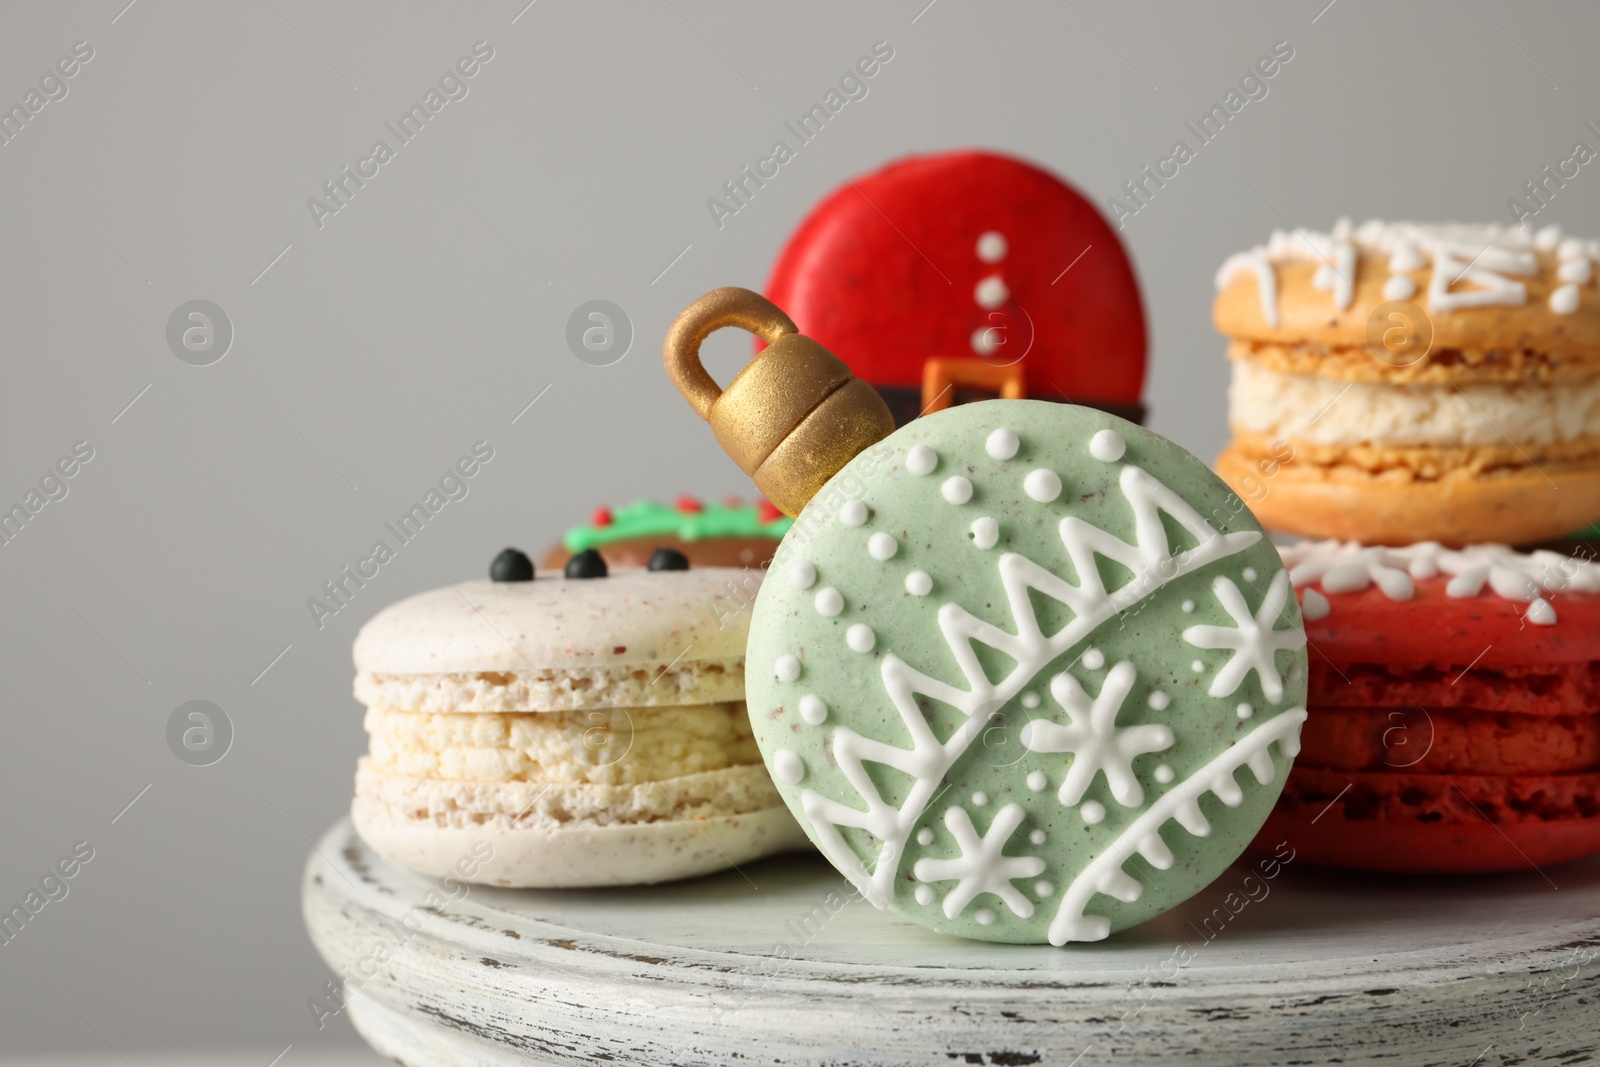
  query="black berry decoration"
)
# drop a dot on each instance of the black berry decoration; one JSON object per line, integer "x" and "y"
{"x": 511, "y": 566}
{"x": 668, "y": 559}
{"x": 586, "y": 564}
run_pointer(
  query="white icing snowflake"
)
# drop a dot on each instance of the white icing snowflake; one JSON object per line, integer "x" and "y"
{"x": 1255, "y": 642}
{"x": 982, "y": 867}
{"x": 1097, "y": 744}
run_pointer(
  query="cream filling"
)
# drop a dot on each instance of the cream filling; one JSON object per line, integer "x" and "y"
{"x": 1326, "y": 411}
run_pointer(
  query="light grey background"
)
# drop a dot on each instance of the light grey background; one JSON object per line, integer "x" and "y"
{"x": 430, "y": 311}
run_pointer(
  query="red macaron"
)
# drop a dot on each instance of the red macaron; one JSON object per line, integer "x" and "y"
{"x": 998, "y": 270}
{"x": 1454, "y": 709}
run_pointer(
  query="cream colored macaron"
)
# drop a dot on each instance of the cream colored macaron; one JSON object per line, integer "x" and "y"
{"x": 580, "y": 731}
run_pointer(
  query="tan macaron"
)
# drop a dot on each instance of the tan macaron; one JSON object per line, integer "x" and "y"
{"x": 583, "y": 731}
{"x": 1396, "y": 382}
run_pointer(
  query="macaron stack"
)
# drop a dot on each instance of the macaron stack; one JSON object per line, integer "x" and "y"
{"x": 583, "y": 729}
{"x": 1424, "y": 396}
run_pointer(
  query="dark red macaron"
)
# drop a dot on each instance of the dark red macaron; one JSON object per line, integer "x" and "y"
{"x": 968, "y": 256}
{"x": 1454, "y": 710}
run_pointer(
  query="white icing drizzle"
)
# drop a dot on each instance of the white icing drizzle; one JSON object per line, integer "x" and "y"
{"x": 1107, "y": 446}
{"x": 813, "y": 710}
{"x": 828, "y": 602}
{"x": 1150, "y": 559}
{"x": 1314, "y": 606}
{"x": 1002, "y": 443}
{"x": 981, "y": 867}
{"x": 787, "y": 767}
{"x": 1254, "y": 641}
{"x": 1399, "y": 287}
{"x": 1338, "y": 274}
{"x": 853, "y": 512}
{"x": 956, "y": 490}
{"x": 1180, "y": 804}
{"x": 1097, "y": 744}
{"x": 920, "y": 460}
{"x": 882, "y": 546}
{"x": 1523, "y": 577}
{"x": 985, "y": 532}
{"x": 1042, "y": 485}
{"x": 1266, "y": 279}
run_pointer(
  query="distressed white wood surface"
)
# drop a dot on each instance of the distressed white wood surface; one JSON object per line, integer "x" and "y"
{"x": 1322, "y": 967}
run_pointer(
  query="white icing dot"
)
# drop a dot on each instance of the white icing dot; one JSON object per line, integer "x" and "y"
{"x": 787, "y": 668}
{"x": 1564, "y": 301}
{"x": 1547, "y": 238}
{"x": 924, "y": 836}
{"x": 853, "y": 512}
{"x": 1574, "y": 270}
{"x": 829, "y": 602}
{"x": 1570, "y": 248}
{"x": 992, "y": 246}
{"x": 1197, "y": 667}
{"x": 1044, "y": 889}
{"x": 813, "y": 710}
{"x": 1092, "y": 811}
{"x": 1163, "y": 774}
{"x": 1094, "y": 659}
{"x": 985, "y": 532}
{"x": 860, "y": 638}
{"x": 1250, "y": 574}
{"x": 984, "y": 916}
{"x": 1030, "y": 700}
{"x": 924, "y": 894}
{"x": 802, "y": 574}
{"x": 1540, "y": 613}
{"x": 1399, "y": 287}
{"x": 991, "y": 292}
{"x": 1314, "y": 606}
{"x": 980, "y": 798}
{"x": 1107, "y": 446}
{"x": 786, "y": 767}
{"x": 1406, "y": 257}
{"x": 1042, "y": 485}
{"x": 956, "y": 490}
{"x": 1188, "y": 606}
{"x": 882, "y": 546}
{"x": 1245, "y": 711}
{"x": 1159, "y": 700}
{"x": 1037, "y": 781}
{"x": 918, "y": 583}
{"x": 985, "y": 340}
{"x": 921, "y": 460}
{"x": 1002, "y": 444}
{"x": 1037, "y": 837}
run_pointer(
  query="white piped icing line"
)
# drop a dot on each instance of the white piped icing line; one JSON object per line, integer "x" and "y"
{"x": 1522, "y": 577}
{"x": 802, "y": 574}
{"x": 787, "y": 767}
{"x": 1002, "y": 444}
{"x": 982, "y": 867}
{"x": 813, "y": 710}
{"x": 985, "y": 532}
{"x": 853, "y": 512}
{"x": 1042, "y": 485}
{"x": 920, "y": 460}
{"x": 1471, "y": 266}
{"x": 956, "y": 490}
{"x": 1107, "y": 446}
{"x": 1180, "y": 804}
{"x": 882, "y": 546}
{"x": 1254, "y": 639}
{"x": 1099, "y": 746}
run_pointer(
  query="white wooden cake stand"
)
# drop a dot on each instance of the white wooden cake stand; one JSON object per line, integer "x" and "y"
{"x": 776, "y": 964}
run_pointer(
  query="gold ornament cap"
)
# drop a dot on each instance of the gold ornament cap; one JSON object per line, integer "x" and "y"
{"x": 794, "y": 416}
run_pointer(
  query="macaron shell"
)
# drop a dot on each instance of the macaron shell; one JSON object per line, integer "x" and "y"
{"x": 884, "y": 272}
{"x": 915, "y": 579}
{"x": 628, "y": 618}
{"x": 1418, "y": 739}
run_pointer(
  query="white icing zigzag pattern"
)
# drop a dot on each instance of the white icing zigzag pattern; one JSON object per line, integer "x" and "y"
{"x": 1180, "y": 804}
{"x": 1153, "y": 564}
{"x": 1349, "y": 567}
